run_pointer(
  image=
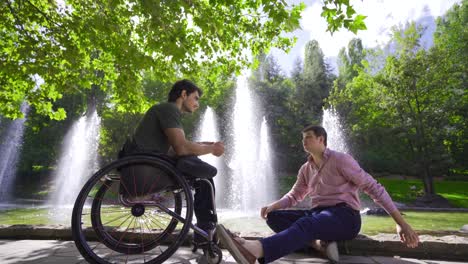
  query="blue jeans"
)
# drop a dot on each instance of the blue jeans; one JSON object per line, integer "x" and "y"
{"x": 296, "y": 228}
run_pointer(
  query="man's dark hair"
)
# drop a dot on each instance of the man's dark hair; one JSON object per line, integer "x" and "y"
{"x": 318, "y": 131}
{"x": 181, "y": 85}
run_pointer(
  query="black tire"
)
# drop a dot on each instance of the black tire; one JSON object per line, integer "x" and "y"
{"x": 100, "y": 242}
{"x": 214, "y": 255}
{"x": 113, "y": 242}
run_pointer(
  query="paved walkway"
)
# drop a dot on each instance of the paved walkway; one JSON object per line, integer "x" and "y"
{"x": 64, "y": 252}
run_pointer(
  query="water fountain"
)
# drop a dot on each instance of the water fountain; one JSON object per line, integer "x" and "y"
{"x": 78, "y": 161}
{"x": 251, "y": 185}
{"x": 266, "y": 161}
{"x": 208, "y": 131}
{"x": 335, "y": 138}
{"x": 10, "y": 147}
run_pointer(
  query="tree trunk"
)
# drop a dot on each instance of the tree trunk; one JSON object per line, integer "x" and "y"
{"x": 428, "y": 180}
{"x": 423, "y": 145}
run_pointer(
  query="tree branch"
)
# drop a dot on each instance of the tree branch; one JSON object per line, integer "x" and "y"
{"x": 18, "y": 21}
{"x": 50, "y": 21}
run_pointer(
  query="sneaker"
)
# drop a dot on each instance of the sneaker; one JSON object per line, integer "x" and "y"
{"x": 331, "y": 250}
{"x": 240, "y": 254}
{"x": 327, "y": 249}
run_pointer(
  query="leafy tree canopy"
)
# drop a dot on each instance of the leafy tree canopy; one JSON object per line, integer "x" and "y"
{"x": 414, "y": 101}
{"x": 341, "y": 14}
{"x": 51, "y": 48}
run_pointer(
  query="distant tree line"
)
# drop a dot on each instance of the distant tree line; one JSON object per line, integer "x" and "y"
{"x": 403, "y": 108}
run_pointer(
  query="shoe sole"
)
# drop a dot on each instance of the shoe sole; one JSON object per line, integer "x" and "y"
{"x": 332, "y": 252}
{"x": 228, "y": 242}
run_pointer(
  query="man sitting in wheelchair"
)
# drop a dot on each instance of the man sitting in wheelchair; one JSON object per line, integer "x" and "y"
{"x": 160, "y": 131}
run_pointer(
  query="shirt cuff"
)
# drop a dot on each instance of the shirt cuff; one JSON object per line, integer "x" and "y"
{"x": 284, "y": 202}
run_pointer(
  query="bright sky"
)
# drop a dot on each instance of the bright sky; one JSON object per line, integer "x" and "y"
{"x": 381, "y": 16}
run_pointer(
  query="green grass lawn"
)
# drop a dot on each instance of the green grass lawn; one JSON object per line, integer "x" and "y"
{"x": 400, "y": 190}
{"x": 423, "y": 222}
{"x": 29, "y": 216}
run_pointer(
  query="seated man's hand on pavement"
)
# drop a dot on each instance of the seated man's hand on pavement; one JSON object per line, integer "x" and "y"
{"x": 408, "y": 236}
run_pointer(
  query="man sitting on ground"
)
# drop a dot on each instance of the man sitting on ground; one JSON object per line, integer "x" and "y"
{"x": 332, "y": 180}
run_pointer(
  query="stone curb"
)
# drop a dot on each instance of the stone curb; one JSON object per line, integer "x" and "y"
{"x": 432, "y": 209}
{"x": 449, "y": 247}
{"x": 444, "y": 248}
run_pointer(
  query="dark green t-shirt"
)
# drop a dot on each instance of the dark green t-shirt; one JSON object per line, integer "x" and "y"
{"x": 149, "y": 134}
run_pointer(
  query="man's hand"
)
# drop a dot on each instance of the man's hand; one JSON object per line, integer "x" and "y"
{"x": 218, "y": 149}
{"x": 408, "y": 235}
{"x": 404, "y": 230}
{"x": 267, "y": 209}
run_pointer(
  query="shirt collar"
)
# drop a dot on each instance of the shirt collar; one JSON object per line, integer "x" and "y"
{"x": 326, "y": 155}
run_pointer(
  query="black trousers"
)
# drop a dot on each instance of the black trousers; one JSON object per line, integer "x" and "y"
{"x": 195, "y": 169}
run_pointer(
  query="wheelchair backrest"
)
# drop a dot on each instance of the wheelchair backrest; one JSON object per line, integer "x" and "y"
{"x": 141, "y": 179}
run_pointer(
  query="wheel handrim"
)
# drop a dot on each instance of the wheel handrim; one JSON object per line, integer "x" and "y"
{"x": 141, "y": 218}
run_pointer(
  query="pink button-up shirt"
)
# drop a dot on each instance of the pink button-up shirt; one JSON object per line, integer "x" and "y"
{"x": 337, "y": 180}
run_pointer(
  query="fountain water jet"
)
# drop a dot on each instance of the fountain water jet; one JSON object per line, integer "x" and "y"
{"x": 9, "y": 152}
{"x": 208, "y": 131}
{"x": 335, "y": 138}
{"x": 77, "y": 162}
{"x": 266, "y": 171}
{"x": 251, "y": 186}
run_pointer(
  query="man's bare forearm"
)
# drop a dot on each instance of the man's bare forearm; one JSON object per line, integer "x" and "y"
{"x": 194, "y": 148}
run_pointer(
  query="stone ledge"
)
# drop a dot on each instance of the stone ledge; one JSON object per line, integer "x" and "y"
{"x": 431, "y": 209}
{"x": 451, "y": 247}
{"x": 36, "y": 232}
{"x": 445, "y": 247}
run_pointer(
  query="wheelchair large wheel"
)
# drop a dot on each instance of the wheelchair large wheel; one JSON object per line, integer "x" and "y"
{"x": 112, "y": 239}
{"x": 108, "y": 227}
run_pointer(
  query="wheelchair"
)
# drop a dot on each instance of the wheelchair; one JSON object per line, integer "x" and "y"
{"x": 138, "y": 209}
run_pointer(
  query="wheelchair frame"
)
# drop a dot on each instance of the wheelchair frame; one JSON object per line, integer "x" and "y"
{"x": 147, "y": 223}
